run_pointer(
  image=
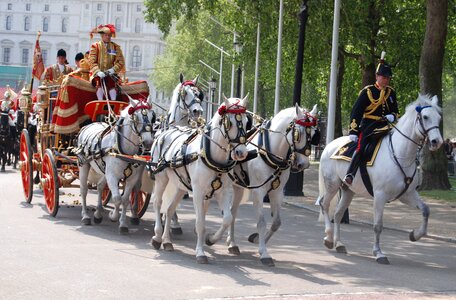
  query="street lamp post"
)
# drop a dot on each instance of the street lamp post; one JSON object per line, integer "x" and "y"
{"x": 238, "y": 48}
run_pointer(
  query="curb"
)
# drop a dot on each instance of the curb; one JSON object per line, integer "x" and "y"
{"x": 431, "y": 236}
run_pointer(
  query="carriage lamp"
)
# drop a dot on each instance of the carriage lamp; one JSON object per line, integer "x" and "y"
{"x": 43, "y": 96}
{"x": 25, "y": 101}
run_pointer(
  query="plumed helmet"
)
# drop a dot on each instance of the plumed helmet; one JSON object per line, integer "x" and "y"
{"x": 383, "y": 68}
{"x": 61, "y": 52}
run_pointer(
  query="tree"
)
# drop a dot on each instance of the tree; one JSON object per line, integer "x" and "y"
{"x": 434, "y": 165}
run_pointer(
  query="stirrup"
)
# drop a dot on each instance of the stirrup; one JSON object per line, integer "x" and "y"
{"x": 348, "y": 179}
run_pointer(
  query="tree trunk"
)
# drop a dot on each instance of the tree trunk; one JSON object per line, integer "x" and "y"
{"x": 434, "y": 165}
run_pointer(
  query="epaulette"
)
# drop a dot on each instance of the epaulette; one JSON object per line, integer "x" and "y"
{"x": 365, "y": 88}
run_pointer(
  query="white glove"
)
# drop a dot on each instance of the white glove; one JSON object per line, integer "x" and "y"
{"x": 101, "y": 75}
{"x": 390, "y": 118}
{"x": 111, "y": 71}
{"x": 353, "y": 137}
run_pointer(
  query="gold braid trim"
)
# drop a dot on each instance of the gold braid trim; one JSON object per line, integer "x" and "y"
{"x": 375, "y": 103}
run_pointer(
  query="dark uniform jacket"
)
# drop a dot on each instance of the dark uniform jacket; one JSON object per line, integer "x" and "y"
{"x": 370, "y": 108}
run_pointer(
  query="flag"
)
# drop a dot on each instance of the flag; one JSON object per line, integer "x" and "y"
{"x": 38, "y": 65}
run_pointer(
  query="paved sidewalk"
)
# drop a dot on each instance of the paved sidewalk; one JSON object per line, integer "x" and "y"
{"x": 397, "y": 216}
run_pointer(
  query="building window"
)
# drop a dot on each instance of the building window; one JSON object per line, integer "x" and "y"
{"x": 44, "y": 55}
{"x": 65, "y": 8}
{"x": 45, "y": 24}
{"x": 138, "y": 26}
{"x": 118, "y": 25}
{"x": 119, "y": 7}
{"x": 27, "y": 24}
{"x": 64, "y": 24}
{"x": 97, "y": 21}
{"x": 28, "y": 6}
{"x": 8, "y": 22}
{"x": 138, "y": 7}
{"x": 25, "y": 56}
{"x": 10, "y": 6}
{"x": 46, "y": 7}
{"x": 136, "y": 61}
{"x": 6, "y": 55}
{"x": 99, "y": 6}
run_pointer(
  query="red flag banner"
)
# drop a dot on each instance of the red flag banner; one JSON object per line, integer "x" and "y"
{"x": 38, "y": 65}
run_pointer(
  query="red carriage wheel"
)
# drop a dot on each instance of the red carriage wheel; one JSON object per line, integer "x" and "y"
{"x": 50, "y": 183}
{"x": 143, "y": 202}
{"x": 105, "y": 196}
{"x": 26, "y": 162}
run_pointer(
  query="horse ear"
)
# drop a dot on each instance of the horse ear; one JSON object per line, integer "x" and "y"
{"x": 227, "y": 102}
{"x": 181, "y": 78}
{"x": 245, "y": 101}
{"x": 435, "y": 100}
{"x": 298, "y": 111}
{"x": 224, "y": 97}
{"x": 195, "y": 81}
{"x": 314, "y": 110}
{"x": 133, "y": 102}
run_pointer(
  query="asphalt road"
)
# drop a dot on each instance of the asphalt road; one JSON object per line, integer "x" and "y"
{"x": 58, "y": 258}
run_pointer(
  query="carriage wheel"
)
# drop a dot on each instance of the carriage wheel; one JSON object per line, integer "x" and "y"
{"x": 26, "y": 162}
{"x": 143, "y": 202}
{"x": 50, "y": 183}
{"x": 105, "y": 196}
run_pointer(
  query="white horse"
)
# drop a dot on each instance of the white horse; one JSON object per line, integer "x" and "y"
{"x": 132, "y": 134}
{"x": 198, "y": 161}
{"x": 283, "y": 145}
{"x": 392, "y": 175}
{"x": 185, "y": 110}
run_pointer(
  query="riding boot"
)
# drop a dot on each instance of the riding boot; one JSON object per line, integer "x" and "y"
{"x": 352, "y": 169}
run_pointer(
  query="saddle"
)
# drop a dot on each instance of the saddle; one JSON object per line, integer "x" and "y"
{"x": 346, "y": 151}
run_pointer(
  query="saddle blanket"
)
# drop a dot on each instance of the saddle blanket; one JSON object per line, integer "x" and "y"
{"x": 345, "y": 152}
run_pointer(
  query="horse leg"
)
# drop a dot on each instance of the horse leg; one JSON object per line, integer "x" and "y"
{"x": 175, "y": 226}
{"x": 230, "y": 240}
{"x": 113, "y": 184}
{"x": 161, "y": 181}
{"x": 166, "y": 239}
{"x": 344, "y": 203}
{"x": 223, "y": 198}
{"x": 414, "y": 200}
{"x": 125, "y": 199}
{"x": 98, "y": 215}
{"x": 83, "y": 177}
{"x": 200, "y": 225}
{"x": 325, "y": 203}
{"x": 379, "y": 207}
{"x": 134, "y": 209}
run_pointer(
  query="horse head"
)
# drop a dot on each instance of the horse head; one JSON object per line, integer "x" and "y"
{"x": 422, "y": 117}
{"x": 142, "y": 118}
{"x": 191, "y": 97}
{"x": 233, "y": 124}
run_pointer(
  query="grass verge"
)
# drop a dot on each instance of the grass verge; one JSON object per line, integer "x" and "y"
{"x": 446, "y": 195}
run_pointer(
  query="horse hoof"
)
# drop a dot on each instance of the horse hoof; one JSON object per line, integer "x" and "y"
{"x": 412, "y": 236}
{"x": 123, "y": 230}
{"x": 253, "y": 238}
{"x": 267, "y": 262}
{"x": 202, "y": 260}
{"x": 134, "y": 221}
{"x": 383, "y": 260}
{"x": 168, "y": 247}
{"x": 208, "y": 240}
{"x": 177, "y": 231}
{"x": 329, "y": 244}
{"x": 156, "y": 244}
{"x": 341, "y": 249}
{"x": 86, "y": 221}
{"x": 97, "y": 220}
{"x": 234, "y": 250}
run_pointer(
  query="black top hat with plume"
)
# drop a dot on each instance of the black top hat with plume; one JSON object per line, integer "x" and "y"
{"x": 383, "y": 68}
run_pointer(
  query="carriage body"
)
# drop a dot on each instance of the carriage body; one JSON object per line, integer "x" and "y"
{"x": 61, "y": 110}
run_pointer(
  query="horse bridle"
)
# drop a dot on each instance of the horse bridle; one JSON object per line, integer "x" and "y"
{"x": 237, "y": 110}
{"x": 183, "y": 93}
{"x": 307, "y": 123}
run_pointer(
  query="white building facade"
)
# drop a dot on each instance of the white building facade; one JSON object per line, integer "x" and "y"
{"x": 66, "y": 24}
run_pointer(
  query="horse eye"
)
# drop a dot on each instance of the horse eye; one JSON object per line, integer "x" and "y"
{"x": 425, "y": 117}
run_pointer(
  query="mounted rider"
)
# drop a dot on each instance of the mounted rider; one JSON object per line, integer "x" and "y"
{"x": 106, "y": 61}
{"x": 53, "y": 75}
{"x": 7, "y": 105}
{"x": 374, "y": 109}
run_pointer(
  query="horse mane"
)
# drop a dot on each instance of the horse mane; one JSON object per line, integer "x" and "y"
{"x": 174, "y": 99}
{"x": 410, "y": 110}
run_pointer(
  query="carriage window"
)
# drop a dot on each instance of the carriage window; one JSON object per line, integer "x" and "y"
{"x": 136, "y": 62}
{"x": 25, "y": 56}
{"x": 45, "y": 24}
{"x": 8, "y": 22}
{"x": 6, "y": 55}
{"x": 27, "y": 24}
